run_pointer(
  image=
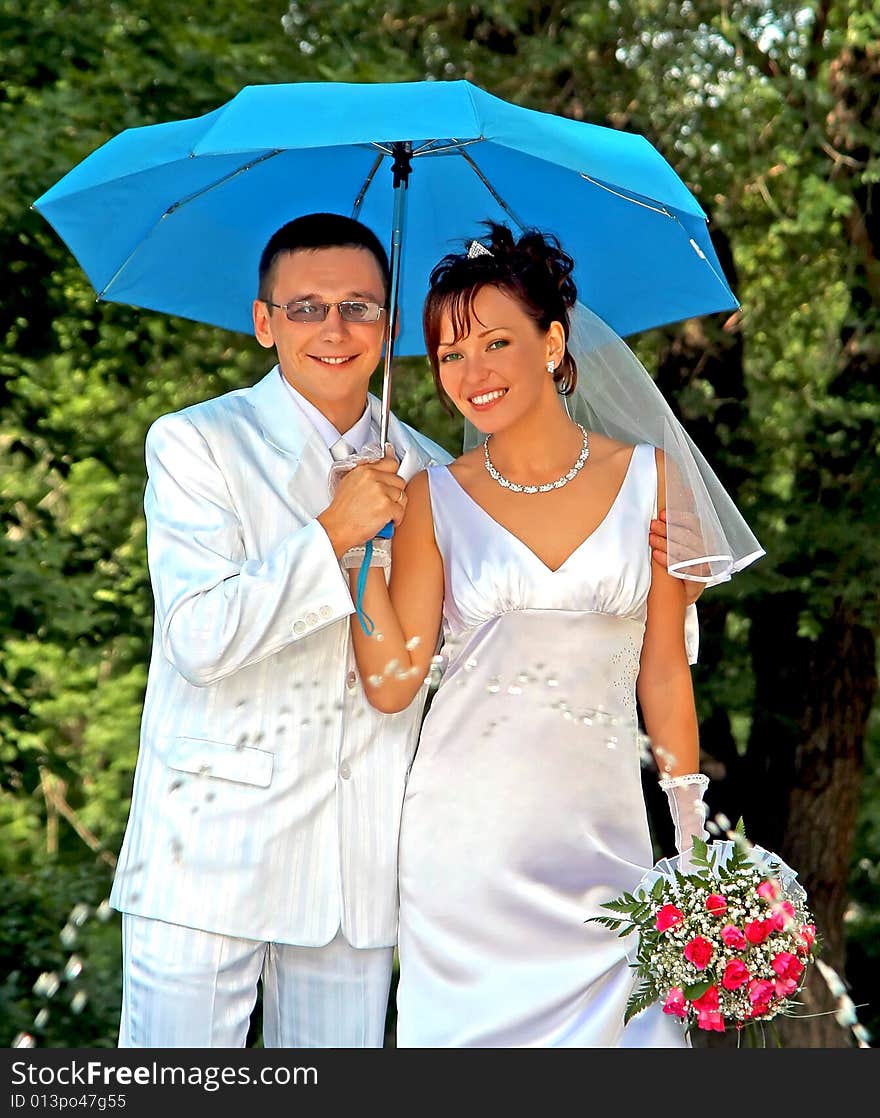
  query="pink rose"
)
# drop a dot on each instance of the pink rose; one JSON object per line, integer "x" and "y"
{"x": 733, "y": 937}
{"x": 769, "y": 890}
{"x": 667, "y": 917}
{"x": 706, "y": 1006}
{"x": 707, "y": 1000}
{"x": 761, "y": 992}
{"x": 699, "y": 951}
{"x": 676, "y": 1002}
{"x": 784, "y": 987}
{"x": 758, "y": 930}
{"x": 710, "y": 1019}
{"x": 807, "y": 935}
{"x": 787, "y": 965}
{"x": 735, "y": 974}
{"x": 716, "y": 904}
{"x": 782, "y": 916}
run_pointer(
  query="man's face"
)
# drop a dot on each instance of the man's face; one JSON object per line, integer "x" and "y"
{"x": 329, "y": 362}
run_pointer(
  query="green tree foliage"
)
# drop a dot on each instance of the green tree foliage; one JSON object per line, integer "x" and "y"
{"x": 767, "y": 110}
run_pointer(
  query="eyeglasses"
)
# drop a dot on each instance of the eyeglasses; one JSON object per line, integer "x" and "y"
{"x": 350, "y": 310}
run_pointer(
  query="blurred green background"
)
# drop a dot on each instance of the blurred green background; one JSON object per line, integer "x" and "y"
{"x": 770, "y": 112}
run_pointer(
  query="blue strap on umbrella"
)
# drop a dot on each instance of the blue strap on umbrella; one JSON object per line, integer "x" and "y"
{"x": 364, "y": 618}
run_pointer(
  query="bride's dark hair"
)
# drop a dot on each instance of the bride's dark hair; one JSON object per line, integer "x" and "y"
{"x": 533, "y": 269}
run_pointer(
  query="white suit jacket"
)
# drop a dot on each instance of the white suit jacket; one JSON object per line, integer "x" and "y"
{"x": 267, "y": 793}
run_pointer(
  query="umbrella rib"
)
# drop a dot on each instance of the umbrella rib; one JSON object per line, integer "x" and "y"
{"x": 182, "y": 202}
{"x": 448, "y": 145}
{"x": 426, "y": 149}
{"x": 665, "y": 213}
{"x": 359, "y": 201}
{"x": 467, "y": 158}
{"x": 625, "y": 197}
{"x": 220, "y": 182}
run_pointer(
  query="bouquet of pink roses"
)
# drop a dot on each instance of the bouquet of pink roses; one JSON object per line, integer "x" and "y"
{"x": 727, "y": 944}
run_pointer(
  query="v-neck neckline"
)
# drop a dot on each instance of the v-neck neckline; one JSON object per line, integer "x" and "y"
{"x": 513, "y": 536}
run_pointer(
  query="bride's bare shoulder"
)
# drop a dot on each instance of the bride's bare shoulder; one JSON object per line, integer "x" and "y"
{"x": 603, "y": 449}
{"x": 468, "y": 464}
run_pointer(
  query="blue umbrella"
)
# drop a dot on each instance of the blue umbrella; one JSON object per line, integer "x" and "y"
{"x": 173, "y": 217}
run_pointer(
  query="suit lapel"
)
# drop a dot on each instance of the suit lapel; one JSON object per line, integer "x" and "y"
{"x": 287, "y": 430}
{"x": 283, "y": 424}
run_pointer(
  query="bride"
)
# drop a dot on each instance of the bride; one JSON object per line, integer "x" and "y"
{"x": 524, "y": 809}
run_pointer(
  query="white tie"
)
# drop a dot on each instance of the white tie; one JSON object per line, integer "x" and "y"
{"x": 341, "y": 449}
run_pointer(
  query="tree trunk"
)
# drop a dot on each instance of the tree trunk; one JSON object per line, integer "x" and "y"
{"x": 804, "y": 766}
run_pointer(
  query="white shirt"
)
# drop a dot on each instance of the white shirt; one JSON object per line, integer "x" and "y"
{"x": 358, "y": 435}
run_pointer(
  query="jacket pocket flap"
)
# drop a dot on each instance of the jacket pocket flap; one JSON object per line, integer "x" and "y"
{"x": 240, "y": 763}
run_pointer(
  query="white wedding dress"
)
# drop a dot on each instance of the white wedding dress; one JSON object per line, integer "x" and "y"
{"x": 524, "y": 809}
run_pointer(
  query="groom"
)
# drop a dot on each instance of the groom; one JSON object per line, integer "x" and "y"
{"x": 261, "y": 846}
{"x": 262, "y": 840}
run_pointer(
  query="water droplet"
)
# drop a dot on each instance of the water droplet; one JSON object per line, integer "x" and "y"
{"x": 79, "y": 1001}
{"x": 514, "y": 690}
{"x": 47, "y": 985}
{"x": 470, "y": 664}
{"x": 41, "y": 1019}
{"x": 374, "y": 680}
{"x": 413, "y": 643}
{"x": 24, "y": 1040}
{"x": 79, "y": 914}
{"x": 67, "y": 935}
{"x": 104, "y": 911}
{"x": 494, "y": 685}
{"x": 722, "y": 821}
{"x": 73, "y": 968}
{"x": 552, "y": 681}
{"x": 391, "y": 667}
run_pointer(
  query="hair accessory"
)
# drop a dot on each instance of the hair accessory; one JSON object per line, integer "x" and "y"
{"x": 477, "y": 249}
{"x": 558, "y": 484}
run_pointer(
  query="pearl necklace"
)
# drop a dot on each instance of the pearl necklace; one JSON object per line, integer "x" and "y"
{"x": 558, "y": 484}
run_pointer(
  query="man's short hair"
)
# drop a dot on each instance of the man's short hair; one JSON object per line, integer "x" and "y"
{"x": 316, "y": 231}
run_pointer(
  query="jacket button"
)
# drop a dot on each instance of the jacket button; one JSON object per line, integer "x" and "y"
{"x": 325, "y": 612}
{"x": 311, "y": 619}
{"x": 345, "y": 770}
{"x": 299, "y": 627}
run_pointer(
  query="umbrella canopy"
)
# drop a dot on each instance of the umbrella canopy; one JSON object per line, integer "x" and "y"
{"x": 173, "y": 217}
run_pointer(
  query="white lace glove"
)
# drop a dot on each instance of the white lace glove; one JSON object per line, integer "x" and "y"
{"x": 370, "y": 453}
{"x": 381, "y": 556}
{"x": 685, "y": 795}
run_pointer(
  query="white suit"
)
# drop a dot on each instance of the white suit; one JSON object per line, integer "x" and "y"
{"x": 267, "y": 792}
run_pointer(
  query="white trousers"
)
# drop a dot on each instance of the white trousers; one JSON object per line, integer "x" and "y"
{"x": 185, "y": 988}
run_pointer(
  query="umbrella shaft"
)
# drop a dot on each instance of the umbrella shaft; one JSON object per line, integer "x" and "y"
{"x": 400, "y": 185}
